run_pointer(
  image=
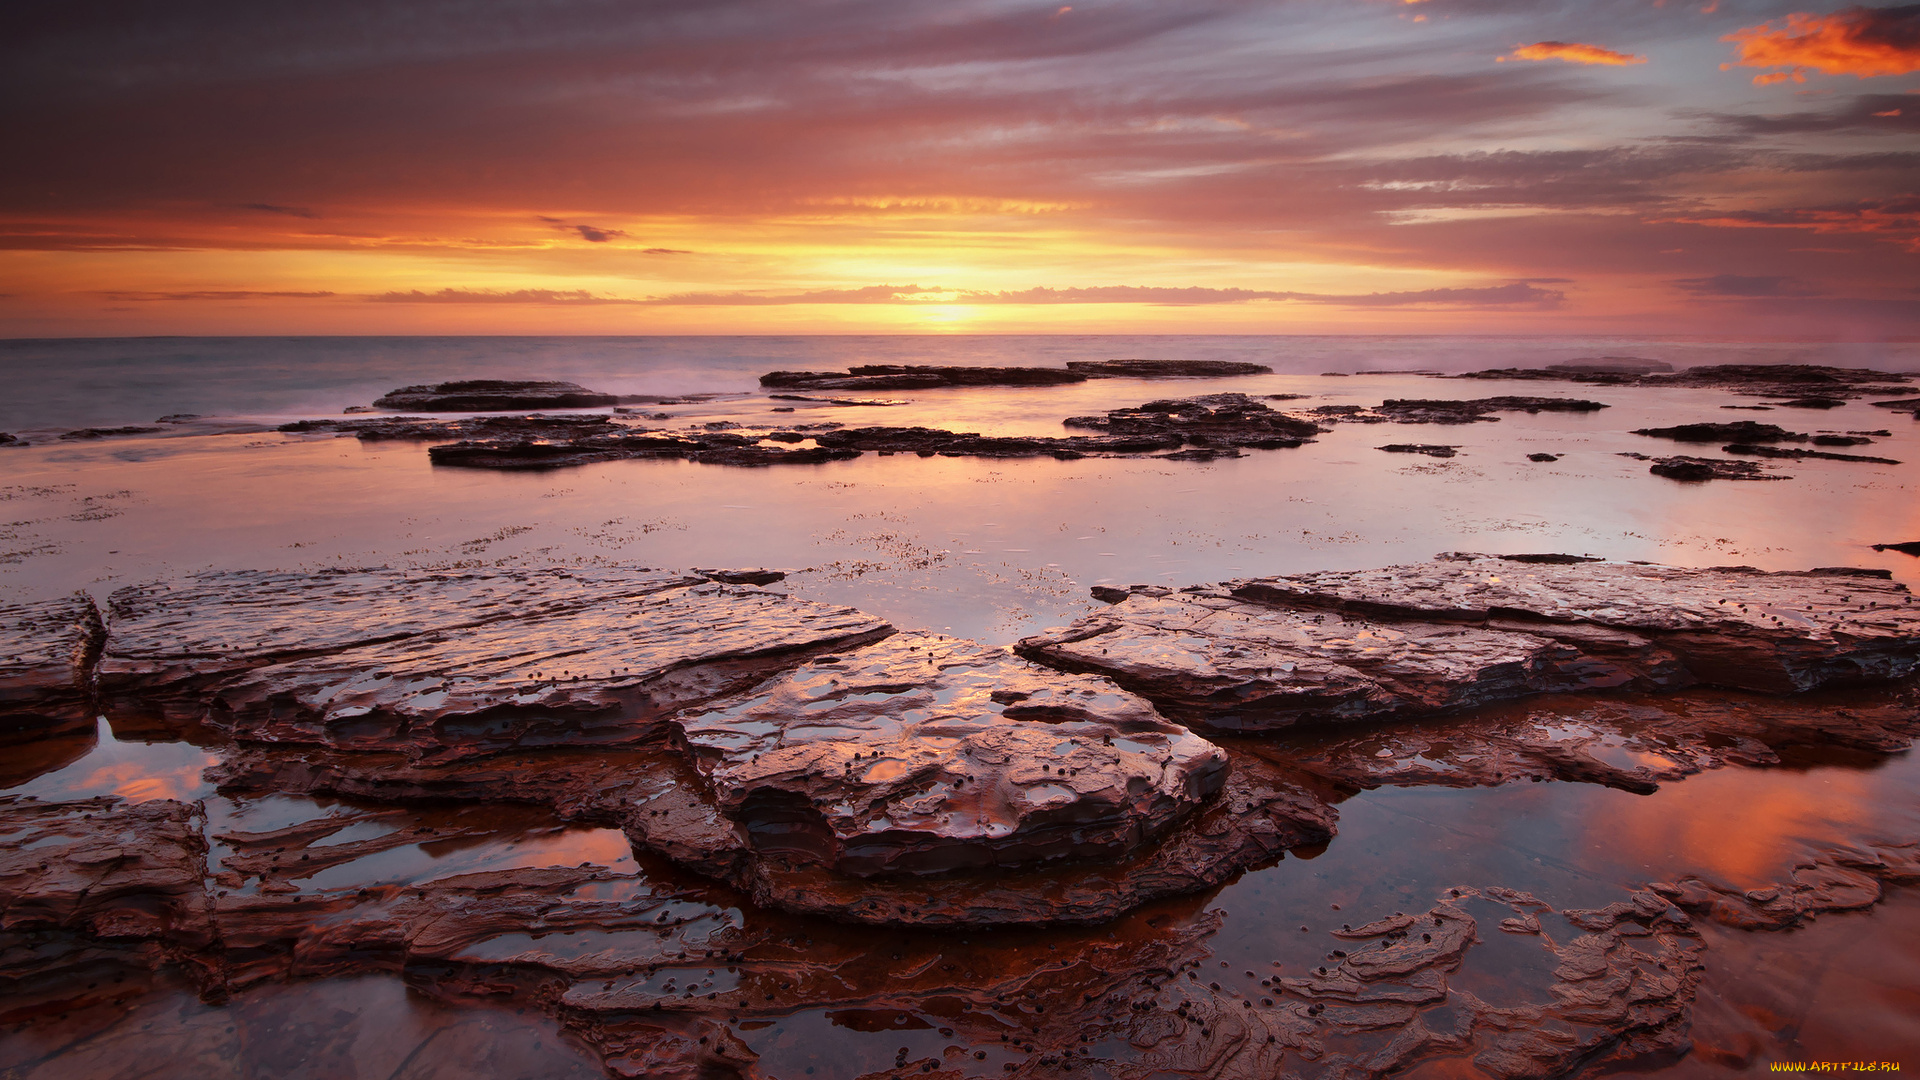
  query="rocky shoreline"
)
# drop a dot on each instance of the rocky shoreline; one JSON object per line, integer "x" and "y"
{"x": 824, "y": 764}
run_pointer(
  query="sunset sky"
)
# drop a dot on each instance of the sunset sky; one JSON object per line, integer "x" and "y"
{"x": 1717, "y": 167}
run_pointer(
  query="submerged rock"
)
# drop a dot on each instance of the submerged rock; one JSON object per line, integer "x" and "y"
{"x": 1168, "y": 369}
{"x": 47, "y": 650}
{"x": 491, "y": 395}
{"x": 1267, "y": 653}
{"x": 918, "y": 377}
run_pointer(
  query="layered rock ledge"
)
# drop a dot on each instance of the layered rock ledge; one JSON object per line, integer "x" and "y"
{"x": 489, "y": 395}
{"x": 47, "y": 651}
{"x": 1463, "y": 631}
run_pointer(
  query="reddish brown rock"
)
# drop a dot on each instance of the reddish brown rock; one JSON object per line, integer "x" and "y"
{"x": 926, "y": 754}
{"x": 1729, "y": 626}
{"x": 1470, "y": 630}
{"x": 47, "y": 650}
{"x": 173, "y": 641}
{"x": 601, "y": 675}
{"x": 1224, "y": 661}
{"x": 106, "y": 869}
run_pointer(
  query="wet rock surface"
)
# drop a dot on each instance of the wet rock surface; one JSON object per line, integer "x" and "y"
{"x": 1268, "y": 653}
{"x": 627, "y": 650}
{"x": 769, "y": 789}
{"x": 925, "y": 754}
{"x": 1428, "y": 449}
{"x": 1167, "y": 369}
{"x": 489, "y": 395}
{"x": 918, "y": 377}
{"x": 1632, "y": 743}
{"x": 47, "y": 650}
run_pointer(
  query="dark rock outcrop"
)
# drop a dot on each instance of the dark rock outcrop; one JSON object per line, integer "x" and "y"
{"x": 918, "y": 377}
{"x": 1757, "y": 380}
{"x": 414, "y": 428}
{"x": 1470, "y": 630}
{"x": 106, "y": 433}
{"x": 1543, "y": 457}
{"x": 47, "y": 651}
{"x": 1438, "y": 411}
{"x": 1812, "y": 403}
{"x": 1167, "y": 369}
{"x": 1429, "y": 449}
{"x": 1797, "y": 454}
{"x": 495, "y": 395}
{"x": 1911, "y": 547}
{"x": 1212, "y": 420}
{"x": 1741, "y": 431}
{"x": 1693, "y": 469}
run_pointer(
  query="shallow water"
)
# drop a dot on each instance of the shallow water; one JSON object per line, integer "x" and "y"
{"x": 986, "y": 549}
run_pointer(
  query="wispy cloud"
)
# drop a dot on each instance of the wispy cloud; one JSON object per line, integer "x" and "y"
{"x": 214, "y": 294}
{"x": 1742, "y": 285}
{"x": 1572, "y": 52}
{"x": 560, "y": 297}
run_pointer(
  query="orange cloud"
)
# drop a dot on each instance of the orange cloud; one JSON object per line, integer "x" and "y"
{"x": 1572, "y": 52}
{"x": 1858, "y": 41}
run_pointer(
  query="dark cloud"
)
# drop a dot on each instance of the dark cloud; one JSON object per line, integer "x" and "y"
{"x": 1745, "y": 286}
{"x": 1889, "y": 113}
{"x": 274, "y": 208}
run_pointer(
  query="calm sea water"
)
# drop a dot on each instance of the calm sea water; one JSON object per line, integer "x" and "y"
{"x": 113, "y": 381}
